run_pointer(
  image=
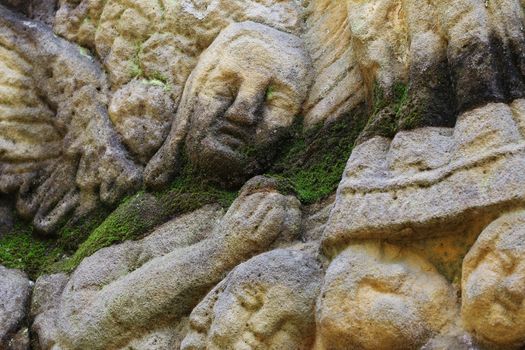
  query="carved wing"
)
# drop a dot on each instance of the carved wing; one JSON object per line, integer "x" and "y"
{"x": 29, "y": 142}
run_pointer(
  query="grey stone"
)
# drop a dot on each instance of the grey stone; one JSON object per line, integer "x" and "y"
{"x": 132, "y": 289}
{"x": 267, "y": 302}
{"x": 15, "y": 291}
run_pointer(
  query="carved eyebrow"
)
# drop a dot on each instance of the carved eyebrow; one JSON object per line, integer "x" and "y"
{"x": 223, "y": 80}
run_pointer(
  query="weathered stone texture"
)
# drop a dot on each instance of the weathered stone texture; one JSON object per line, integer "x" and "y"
{"x": 60, "y": 152}
{"x": 265, "y": 303}
{"x": 425, "y": 181}
{"x": 14, "y": 298}
{"x": 379, "y": 296}
{"x": 243, "y": 95}
{"x": 420, "y": 248}
{"x": 494, "y": 283}
{"x": 130, "y": 290}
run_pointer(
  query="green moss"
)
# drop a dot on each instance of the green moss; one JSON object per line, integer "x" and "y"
{"x": 159, "y": 79}
{"x": 270, "y": 91}
{"x": 74, "y": 232}
{"x": 379, "y": 101}
{"x": 308, "y": 163}
{"x": 84, "y": 52}
{"x": 313, "y": 162}
{"x": 390, "y": 112}
{"x": 135, "y": 69}
{"x": 139, "y": 214}
{"x": 20, "y": 249}
{"x": 160, "y": 83}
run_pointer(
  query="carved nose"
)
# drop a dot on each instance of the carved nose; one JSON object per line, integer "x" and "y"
{"x": 245, "y": 110}
{"x": 515, "y": 286}
{"x": 263, "y": 324}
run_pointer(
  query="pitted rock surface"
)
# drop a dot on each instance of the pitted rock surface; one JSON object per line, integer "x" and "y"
{"x": 128, "y": 290}
{"x": 425, "y": 181}
{"x": 265, "y": 303}
{"x": 188, "y": 104}
{"x": 493, "y": 283}
{"x": 14, "y": 298}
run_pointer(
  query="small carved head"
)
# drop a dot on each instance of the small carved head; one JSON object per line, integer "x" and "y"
{"x": 493, "y": 296}
{"x": 265, "y": 303}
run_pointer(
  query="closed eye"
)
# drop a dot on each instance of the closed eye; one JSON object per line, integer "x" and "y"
{"x": 280, "y": 95}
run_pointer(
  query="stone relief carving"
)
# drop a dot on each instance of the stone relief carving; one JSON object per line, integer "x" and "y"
{"x": 379, "y": 296}
{"x": 61, "y": 152}
{"x": 103, "y": 305}
{"x": 260, "y": 305}
{"x": 493, "y": 283}
{"x": 240, "y": 99}
{"x": 424, "y": 181}
{"x": 218, "y": 83}
{"x": 141, "y": 110}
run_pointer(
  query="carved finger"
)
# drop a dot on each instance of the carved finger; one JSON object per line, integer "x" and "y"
{"x": 48, "y": 218}
{"x": 161, "y": 168}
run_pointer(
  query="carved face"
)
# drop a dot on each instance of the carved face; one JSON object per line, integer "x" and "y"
{"x": 141, "y": 113}
{"x": 259, "y": 315}
{"x": 244, "y": 94}
{"x": 382, "y": 297}
{"x": 500, "y": 283}
{"x": 260, "y": 306}
{"x": 494, "y": 283}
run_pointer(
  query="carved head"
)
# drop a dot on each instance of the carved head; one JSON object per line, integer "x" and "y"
{"x": 378, "y": 296}
{"x": 241, "y": 98}
{"x": 493, "y": 306}
{"x": 141, "y": 113}
{"x": 265, "y": 303}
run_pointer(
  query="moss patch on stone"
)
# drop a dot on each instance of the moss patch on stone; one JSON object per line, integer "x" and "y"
{"x": 313, "y": 161}
{"x": 308, "y": 163}
{"x": 135, "y": 68}
{"x": 391, "y": 112}
{"x": 137, "y": 215}
{"x": 21, "y": 249}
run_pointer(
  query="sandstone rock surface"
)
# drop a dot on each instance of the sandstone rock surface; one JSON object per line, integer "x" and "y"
{"x": 59, "y": 151}
{"x": 14, "y": 298}
{"x": 265, "y": 303}
{"x": 426, "y": 181}
{"x": 420, "y": 248}
{"x": 379, "y": 296}
{"x": 239, "y": 101}
{"x": 494, "y": 283}
{"x": 129, "y": 290}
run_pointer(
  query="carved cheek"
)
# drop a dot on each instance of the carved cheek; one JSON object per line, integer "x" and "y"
{"x": 208, "y": 110}
{"x": 484, "y": 280}
{"x": 229, "y": 322}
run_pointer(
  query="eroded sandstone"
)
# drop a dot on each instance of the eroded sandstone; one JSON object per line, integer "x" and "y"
{"x": 131, "y": 289}
{"x": 420, "y": 248}
{"x": 14, "y": 298}
{"x": 426, "y": 181}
